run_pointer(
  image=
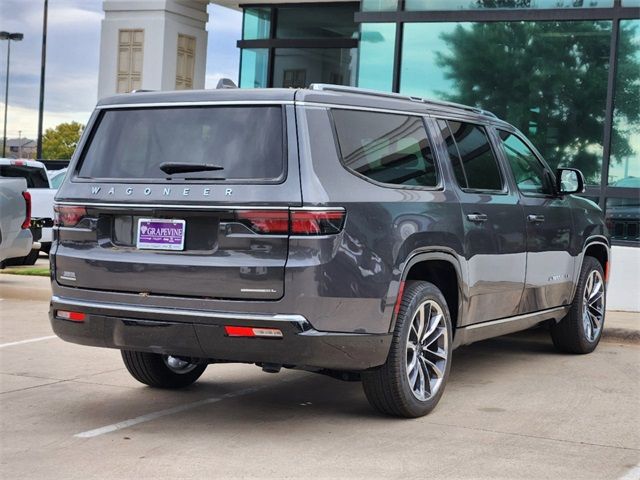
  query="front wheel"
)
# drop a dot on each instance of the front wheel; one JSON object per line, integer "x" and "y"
{"x": 581, "y": 329}
{"x": 413, "y": 378}
{"x": 162, "y": 371}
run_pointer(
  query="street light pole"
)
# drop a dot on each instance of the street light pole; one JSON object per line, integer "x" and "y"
{"x": 43, "y": 61}
{"x": 16, "y": 37}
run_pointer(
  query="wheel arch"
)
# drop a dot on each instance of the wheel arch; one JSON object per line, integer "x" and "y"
{"x": 441, "y": 268}
{"x": 598, "y": 247}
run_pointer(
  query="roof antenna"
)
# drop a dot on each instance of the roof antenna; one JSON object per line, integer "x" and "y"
{"x": 226, "y": 83}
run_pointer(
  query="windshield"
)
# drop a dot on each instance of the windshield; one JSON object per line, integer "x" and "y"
{"x": 36, "y": 177}
{"x": 247, "y": 142}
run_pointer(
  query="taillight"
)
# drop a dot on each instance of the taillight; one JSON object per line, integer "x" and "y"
{"x": 295, "y": 222}
{"x": 316, "y": 222}
{"x": 27, "y": 216}
{"x": 273, "y": 222}
{"x": 68, "y": 216}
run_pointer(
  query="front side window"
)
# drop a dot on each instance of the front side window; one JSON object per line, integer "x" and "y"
{"x": 529, "y": 172}
{"x": 386, "y": 148}
{"x": 245, "y": 142}
{"x": 474, "y": 164}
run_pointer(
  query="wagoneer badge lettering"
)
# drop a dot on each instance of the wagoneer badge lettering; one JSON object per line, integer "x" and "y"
{"x": 166, "y": 191}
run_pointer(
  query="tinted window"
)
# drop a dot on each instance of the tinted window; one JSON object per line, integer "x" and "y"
{"x": 317, "y": 21}
{"x": 35, "y": 177}
{"x": 57, "y": 178}
{"x": 531, "y": 176}
{"x": 470, "y": 151}
{"x": 387, "y": 148}
{"x": 454, "y": 155}
{"x": 246, "y": 141}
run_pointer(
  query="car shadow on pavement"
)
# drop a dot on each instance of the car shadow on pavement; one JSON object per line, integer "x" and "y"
{"x": 259, "y": 400}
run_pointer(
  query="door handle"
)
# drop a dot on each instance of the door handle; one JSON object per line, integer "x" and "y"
{"x": 477, "y": 217}
{"x": 535, "y": 218}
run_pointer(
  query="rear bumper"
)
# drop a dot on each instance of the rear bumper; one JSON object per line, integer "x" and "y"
{"x": 20, "y": 246}
{"x": 199, "y": 333}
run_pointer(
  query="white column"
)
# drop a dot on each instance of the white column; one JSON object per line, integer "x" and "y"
{"x": 162, "y": 22}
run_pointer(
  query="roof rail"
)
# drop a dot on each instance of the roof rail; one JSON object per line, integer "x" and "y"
{"x": 140, "y": 90}
{"x": 398, "y": 96}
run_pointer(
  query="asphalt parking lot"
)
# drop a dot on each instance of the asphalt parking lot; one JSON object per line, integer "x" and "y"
{"x": 513, "y": 409}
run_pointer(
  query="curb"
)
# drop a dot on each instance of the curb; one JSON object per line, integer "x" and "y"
{"x": 623, "y": 335}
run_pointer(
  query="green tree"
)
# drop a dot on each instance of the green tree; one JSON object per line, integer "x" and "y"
{"x": 60, "y": 142}
{"x": 549, "y": 79}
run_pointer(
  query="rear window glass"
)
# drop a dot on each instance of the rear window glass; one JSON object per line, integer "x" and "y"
{"x": 474, "y": 163}
{"x": 387, "y": 148}
{"x": 247, "y": 142}
{"x": 35, "y": 177}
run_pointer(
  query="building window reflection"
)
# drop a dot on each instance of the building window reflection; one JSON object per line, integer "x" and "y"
{"x": 549, "y": 79}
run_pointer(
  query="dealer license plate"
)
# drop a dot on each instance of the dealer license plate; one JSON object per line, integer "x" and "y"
{"x": 160, "y": 234}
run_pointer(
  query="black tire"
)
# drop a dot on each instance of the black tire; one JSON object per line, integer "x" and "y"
{"x": 151, "y": 369}
{"x": 571, "y": 335}
{"x": 32, "y": 258}
{"x": 388, "y": 387}
{"x": 28, "y": 260}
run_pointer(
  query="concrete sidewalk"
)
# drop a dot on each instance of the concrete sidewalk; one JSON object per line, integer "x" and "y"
{"x": 619, "y": 326}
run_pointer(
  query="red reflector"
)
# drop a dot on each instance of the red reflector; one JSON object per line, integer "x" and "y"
{"x": 66, "y": 216}
{"x": 275, "y": 222}
{"x": 252, "y": 332}
{"x": 316, "y": 222}
{"x": 396, "y": 309}
{"x": 27, "y": 215}
{"x": 239, "y": 331}
{"x": 606, "y": 271}
{"x": 73, "y": 316}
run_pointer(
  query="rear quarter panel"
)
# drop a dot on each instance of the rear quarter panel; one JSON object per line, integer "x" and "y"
{"x": 352, "y": 281}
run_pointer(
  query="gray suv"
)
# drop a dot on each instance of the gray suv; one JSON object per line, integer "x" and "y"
{"x": 357, "y": 234}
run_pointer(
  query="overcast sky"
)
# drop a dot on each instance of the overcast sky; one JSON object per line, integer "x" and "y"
{"x": 73, "y": 45}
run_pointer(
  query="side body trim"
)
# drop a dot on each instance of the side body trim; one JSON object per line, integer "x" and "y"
{"x": 504, "y": 326}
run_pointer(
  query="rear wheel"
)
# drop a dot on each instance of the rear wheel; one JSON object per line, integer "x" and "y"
{"x": 412, "y": 380}
{"x": 30, "y": 259}
{"x": 162, "y": 371}
{"x": 581, "y": 329}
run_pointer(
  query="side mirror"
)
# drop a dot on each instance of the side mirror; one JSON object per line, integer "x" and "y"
{"x": 569, "y": 180}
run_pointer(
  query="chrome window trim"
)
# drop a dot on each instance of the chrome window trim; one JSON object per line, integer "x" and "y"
{"x": 362, "y": 108}
{"x": 193, "y": 104}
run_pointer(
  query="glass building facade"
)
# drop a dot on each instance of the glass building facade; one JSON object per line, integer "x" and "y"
{"x": 565, "y": 72}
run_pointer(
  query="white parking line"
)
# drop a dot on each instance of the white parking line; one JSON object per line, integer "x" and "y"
{"x": 163, "y": 413}
{"x": 30, "y": 340}
{"x": 633, "y": 474}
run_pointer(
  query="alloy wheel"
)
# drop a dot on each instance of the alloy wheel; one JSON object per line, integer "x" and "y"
{"x": 593, "y": 305}
{"x": 427, "y": 350}
{"x": 178, "y": 365}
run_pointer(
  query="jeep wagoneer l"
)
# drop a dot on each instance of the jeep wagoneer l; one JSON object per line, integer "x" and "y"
{"x": 347, "y": 232}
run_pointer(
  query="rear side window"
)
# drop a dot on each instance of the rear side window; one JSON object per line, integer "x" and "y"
{"x": 474, "y": 162}
{"x": 388, "y": 148}
{"x": 35, "y": 177}
{"x": 247, "y": 142}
